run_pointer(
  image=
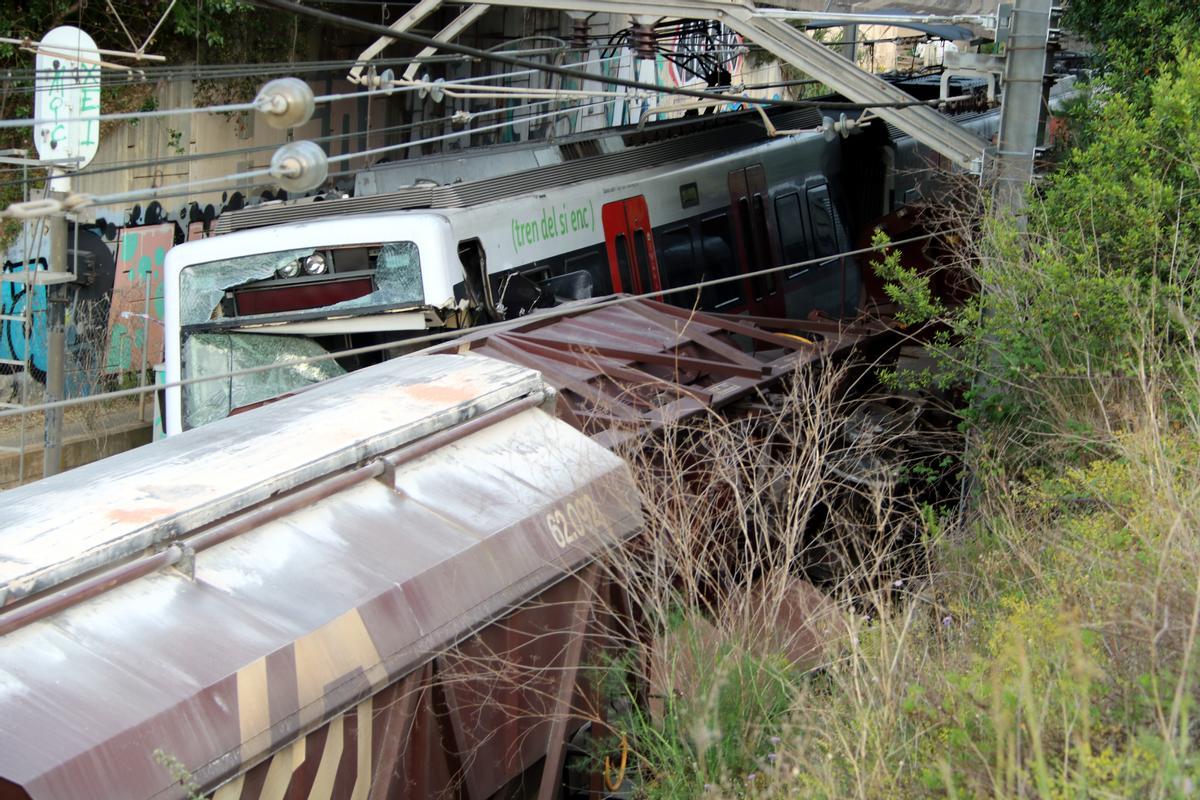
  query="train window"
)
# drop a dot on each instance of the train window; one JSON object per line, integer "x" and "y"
{"x": 716, "y": 242}
{"x": 748, "y": 241}
{"x": 791, "y": 230}
{"x": 643, "y": 259}
{"x": 538, "y": 272}
{"x": 689, "y": 195}
{"x": 590, "y": 262}
{"x": 824, "y": 223}
{"x": 621, "y": 243}
{"x": 678, "y": 262}
{"x": 762, "y": 248}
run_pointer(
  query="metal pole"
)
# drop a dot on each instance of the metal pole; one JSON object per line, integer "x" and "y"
{"x": 24, "y": 375}
{"x": 56, "y": 339}
{"x": 1020, "y": 112}
{"x": 145, "y": 345}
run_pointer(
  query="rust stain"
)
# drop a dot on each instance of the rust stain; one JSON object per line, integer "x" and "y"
{"x": 141, "y": 514}
{"x": 442, "y": 394}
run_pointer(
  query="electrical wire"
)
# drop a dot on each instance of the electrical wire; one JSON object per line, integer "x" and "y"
{"x": 474, "y": 52}
{"x": 547, "y": 314}
{"x": 257, "y": 104}
{"x": 234, "y": 71}
{"x": 233, "y": 181}
{"x": 253, "y": 105}
{"x": 168, "y": 160}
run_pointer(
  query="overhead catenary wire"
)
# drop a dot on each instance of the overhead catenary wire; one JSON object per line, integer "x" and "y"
{"x": 257, "y": 104}
{"x": 218, "y": 183}
{"x": 416, "y": 86}
{"x": 548, "y": 314}
{"x": 21, "y": 80}
{"x": 569, "y": 72}
{"x": 235, "y": 70}
{"x": 169, "y": 160}
{"x": 117, "y": 166}
{"x": 252, "y": 105}
{"x": 79, "y": 200}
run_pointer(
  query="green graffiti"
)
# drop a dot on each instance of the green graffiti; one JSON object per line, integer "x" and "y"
{"x": 120, "y": 348}
{"x": 129, "y": 246}
{"x": 122, "y": 344}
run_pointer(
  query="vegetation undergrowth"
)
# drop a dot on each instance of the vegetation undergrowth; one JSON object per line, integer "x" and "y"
{"x": 1041, "y": 640}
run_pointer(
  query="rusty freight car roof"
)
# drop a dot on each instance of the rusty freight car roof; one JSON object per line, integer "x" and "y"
{"x": 627, "y": 369}
{"x": 324, "y": 546}
{"x": 146, "y": 495}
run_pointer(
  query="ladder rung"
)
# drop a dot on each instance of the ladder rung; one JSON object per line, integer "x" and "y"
{"x": 12, "y": 362}
{"x": 8, "y": 448}
{"x": 12, "y": 317}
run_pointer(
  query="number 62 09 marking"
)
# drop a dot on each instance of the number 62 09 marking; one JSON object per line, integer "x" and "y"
{"x": 578, "y": 518}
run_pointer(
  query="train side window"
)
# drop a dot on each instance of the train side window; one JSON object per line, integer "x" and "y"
{"x": 621, "y": 243}
{"x": 591, "y": 262}
{"x": 824, "y": 223}
{"x": 764, "y": 284}
{"x": 643, "y": 256}
{"x": 791, "y": 230}
{"x": 678, "y": 262}
{"x": 716, "y": 242}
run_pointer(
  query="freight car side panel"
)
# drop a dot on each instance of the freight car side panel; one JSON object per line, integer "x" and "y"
{"x": 300, "y": 621}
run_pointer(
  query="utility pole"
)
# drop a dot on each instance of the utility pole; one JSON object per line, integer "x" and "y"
{"x": 1028, "y": 25}
{"x": 56, "y": 344}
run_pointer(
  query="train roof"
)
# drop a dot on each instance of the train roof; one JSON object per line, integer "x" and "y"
{"x": 338, "y": 538}
{"x": 608, "y": 154}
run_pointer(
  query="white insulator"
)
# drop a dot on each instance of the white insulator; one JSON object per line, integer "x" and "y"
{"x": 286, "y": 102}
{"x": 387, "y": 81}
{"x": 827, "y": 129}
{"x": 300, "y": 166}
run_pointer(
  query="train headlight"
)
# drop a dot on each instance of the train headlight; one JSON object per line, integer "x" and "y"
{"x": 289, "y": 270}
{"x": 315, "y": 265}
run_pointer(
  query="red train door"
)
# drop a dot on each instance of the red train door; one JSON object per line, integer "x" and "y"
{"x": 630, "y": 243}
{"x": 757, "y": 238}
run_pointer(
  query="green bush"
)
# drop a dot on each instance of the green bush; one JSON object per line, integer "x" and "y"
{"x": 1100, "y": 278}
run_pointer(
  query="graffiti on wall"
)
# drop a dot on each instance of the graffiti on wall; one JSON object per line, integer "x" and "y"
{"x": 136, "y": 312}
{"x": 15, "y": 298}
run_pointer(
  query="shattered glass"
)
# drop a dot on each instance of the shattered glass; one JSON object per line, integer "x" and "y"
{"x": 397, "y": 279}
{"x": 218, "y": 353}
{"x": 202, "y": 286}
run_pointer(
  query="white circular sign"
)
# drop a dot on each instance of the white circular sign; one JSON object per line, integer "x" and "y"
{"x": 67, "y": 97}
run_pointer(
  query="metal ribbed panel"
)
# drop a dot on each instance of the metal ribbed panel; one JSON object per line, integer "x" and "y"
{"x": 414, "y": 197}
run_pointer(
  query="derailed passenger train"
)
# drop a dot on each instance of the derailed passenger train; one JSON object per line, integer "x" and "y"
{"x": 427, "y": 244}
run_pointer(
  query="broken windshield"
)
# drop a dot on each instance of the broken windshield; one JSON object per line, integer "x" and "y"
{"x": 222, "y": 353}
{"x": 394, "y": 268}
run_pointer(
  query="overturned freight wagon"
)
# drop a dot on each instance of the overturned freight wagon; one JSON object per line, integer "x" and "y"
{"x": 285, "y": 603}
